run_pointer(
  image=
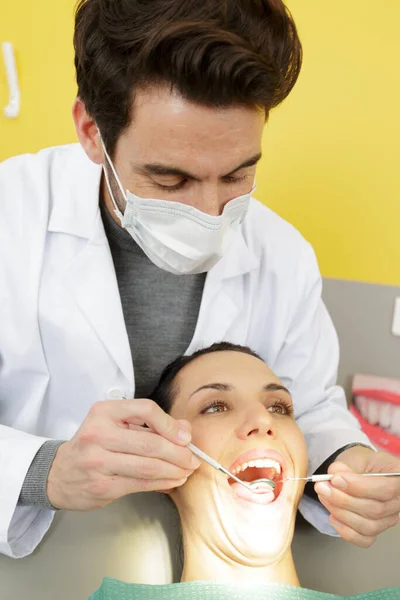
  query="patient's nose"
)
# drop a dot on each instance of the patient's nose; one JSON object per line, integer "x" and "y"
{"x": 256, "y": 422}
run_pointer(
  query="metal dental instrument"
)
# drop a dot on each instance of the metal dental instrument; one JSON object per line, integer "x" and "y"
{"x": 315, "y": 478}
{"x": 250, "y": 486}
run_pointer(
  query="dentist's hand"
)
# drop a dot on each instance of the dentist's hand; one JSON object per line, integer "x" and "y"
{"x": 361, "y": 507}
{"x": 113, "y": 455}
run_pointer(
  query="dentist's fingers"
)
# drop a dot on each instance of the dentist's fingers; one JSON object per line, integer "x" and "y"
{"x": 365, "y": 507}
{"x": 361, "y": 507}
{"x": 124, "y": 486}
{"x": 374, "y": 488}
{"x": 363, "y": 526}
{"x": 143, "y": 468}
{"x": 142, "y": 411}
{"x": 349, "y": 535}
{"x": 112, "y": 454}
{"x": 144, "y": 442}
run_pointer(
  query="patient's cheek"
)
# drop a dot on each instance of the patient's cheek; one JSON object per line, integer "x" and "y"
{"x": 192, "y": 489}
{"x": 300, "y": 452}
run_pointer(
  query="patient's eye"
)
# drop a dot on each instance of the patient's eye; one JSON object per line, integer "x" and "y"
{"x": 217, "y": 406}
{"x": 281, "y": 408}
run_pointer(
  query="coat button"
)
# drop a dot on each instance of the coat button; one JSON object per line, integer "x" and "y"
{"x": 115, "y": 394}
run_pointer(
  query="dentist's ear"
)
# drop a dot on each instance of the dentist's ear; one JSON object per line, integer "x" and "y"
{"x": 87, "y": 132}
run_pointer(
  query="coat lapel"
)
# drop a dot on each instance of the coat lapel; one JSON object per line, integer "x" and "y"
{"x": 223, "y": 295}
{"x": 91, "y": 280}
{"x": 86, "y": 268}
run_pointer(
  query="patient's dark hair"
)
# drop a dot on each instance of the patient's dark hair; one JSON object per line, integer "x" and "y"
{"x": 215, "y": 53}
{"x": 165, "y": 391}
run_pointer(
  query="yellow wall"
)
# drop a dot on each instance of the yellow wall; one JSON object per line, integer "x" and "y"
{"x": 42, "y": 35}
{"x": 331, "y": 151}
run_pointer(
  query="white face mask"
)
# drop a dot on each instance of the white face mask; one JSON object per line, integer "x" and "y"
{"x": 176, "y": 237}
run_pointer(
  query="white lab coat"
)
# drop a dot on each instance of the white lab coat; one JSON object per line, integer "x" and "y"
{"x": 63, "y": 341}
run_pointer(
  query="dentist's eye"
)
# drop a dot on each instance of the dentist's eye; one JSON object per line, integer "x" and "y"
{"x": 231, "y": 179}
{"x": 281, "y": 408}
{"x": 217, "y": 406}
{"x": 171, "y": 188}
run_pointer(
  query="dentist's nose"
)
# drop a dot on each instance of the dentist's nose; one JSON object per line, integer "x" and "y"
{"x": 210, "y": 201}
{"x": 256, "y": 422}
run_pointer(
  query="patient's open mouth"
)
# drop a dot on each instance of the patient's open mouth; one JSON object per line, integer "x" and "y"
{"x": 258, "y": 468}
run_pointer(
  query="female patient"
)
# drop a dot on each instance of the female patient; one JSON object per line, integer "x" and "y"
{"x": 242, "y": 416}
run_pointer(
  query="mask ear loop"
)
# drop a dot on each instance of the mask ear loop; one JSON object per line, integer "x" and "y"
{"x": 116, "y": 209}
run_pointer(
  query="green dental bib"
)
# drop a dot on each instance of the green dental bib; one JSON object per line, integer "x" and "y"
{"x": 112, "y": 589}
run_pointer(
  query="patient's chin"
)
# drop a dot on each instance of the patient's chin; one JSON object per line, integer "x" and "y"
{"x": 256, "y": 531}
{"x": 260, "y": 547}
{"x": 260, "y": 529}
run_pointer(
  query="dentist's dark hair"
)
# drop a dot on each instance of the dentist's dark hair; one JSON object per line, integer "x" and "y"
{"x": 166, "y": 390}
{"x": 215, "y": 53}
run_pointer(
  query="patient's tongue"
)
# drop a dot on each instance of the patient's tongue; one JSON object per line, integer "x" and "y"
{"x": 265, "y": 495}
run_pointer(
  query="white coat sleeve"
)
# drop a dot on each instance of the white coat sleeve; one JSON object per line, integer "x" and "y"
{"x": 21, "y": 527}
{"x": 23, "y": 376}
{"x": 310, "y": 357}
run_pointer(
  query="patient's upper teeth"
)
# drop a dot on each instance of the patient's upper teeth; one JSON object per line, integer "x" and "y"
{"x": 269, "y": 463}
{"x": 259, "y": 463}
{"x": 240, "y": 468}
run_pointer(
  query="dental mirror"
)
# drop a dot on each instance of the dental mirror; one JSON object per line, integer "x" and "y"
{"x": 261, "y": 482}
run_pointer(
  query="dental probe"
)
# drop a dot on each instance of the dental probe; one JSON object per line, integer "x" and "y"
{"x": 219, "y": 467}
{"x": 315, "y": 478}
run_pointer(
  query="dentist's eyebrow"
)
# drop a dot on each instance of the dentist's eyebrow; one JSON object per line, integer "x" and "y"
{"x": 220, "y": 387}
{"x": 276, "y": 387}
{"x": 165, "y": 170}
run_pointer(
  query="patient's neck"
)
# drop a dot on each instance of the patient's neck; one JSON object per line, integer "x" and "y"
{"x": 205, "y": 561}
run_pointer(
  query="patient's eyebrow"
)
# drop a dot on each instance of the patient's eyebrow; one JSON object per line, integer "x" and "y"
{"x": 220, "y": 387}
{"x": 226, "y": 387}
{"x": 276, "y": 387}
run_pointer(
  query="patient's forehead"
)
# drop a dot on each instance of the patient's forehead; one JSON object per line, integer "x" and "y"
{"x": 240, "y": 370}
